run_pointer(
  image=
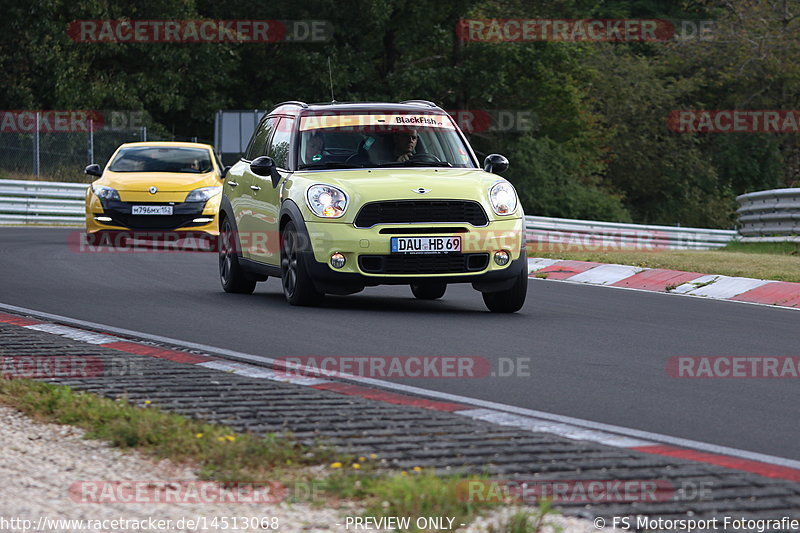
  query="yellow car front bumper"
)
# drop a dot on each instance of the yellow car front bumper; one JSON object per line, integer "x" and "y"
{"x": 122, "y": 220}
{"x": 362, "y": 244}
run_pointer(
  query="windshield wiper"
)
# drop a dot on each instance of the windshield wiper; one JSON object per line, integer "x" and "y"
{"x": 332, "y": 164}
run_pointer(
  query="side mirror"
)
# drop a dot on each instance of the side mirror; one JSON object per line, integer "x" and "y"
{"x": 265, "y": 166}
{"x": 225, "y": 171}
{"x": 93, "y": 170}
{"x": 495, "y": 163}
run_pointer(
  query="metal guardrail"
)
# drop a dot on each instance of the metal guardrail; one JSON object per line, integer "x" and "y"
{"x": 42, "y": 202}
{"x": 553, "y": 234}
{"x": 769, "y": 216}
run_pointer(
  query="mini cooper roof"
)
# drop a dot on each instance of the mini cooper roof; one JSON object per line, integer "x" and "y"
{"x": 297, "y": 108}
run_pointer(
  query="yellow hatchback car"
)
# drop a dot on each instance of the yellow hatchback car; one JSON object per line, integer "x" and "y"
{"x": 332, "y": 198}
{"x": 156, "y": 187}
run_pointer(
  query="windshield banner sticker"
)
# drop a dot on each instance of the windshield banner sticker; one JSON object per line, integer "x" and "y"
{"x": 388, "y": 121}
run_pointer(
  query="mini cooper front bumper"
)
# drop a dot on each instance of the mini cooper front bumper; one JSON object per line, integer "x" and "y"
{"x": 369, "y": 259}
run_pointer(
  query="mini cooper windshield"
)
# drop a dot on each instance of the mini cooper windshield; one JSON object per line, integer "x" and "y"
{"x": 380, "y": 140}
{"x": 156, "y": 159}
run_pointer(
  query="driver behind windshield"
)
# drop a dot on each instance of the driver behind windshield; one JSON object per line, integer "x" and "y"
{"x": 404, "y": 144}
{"x": 314, "y": 147}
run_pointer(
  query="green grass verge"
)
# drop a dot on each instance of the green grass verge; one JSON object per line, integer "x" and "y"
{"x": 773, "y": 248}
{"x": 524, "y": 521}
{"x": 220, "y": 454}
{"x": 776, "y": 261}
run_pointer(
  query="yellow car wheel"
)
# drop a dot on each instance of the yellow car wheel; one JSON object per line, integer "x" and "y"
{"x": 298, "y": 287}
{"x": 510, "y": 300}
{"x": 430, "y": 290}
{"x": 232, "y": 276}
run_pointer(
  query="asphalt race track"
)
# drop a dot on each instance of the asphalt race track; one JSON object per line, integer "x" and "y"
{"x": 595, "y": 353}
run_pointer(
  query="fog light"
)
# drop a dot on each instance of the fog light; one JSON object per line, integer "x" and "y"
{"x": 338, "y": 260}
{"x": 501, "y": 257}
{"x": 203, "y": 220}
{"x": 103, "y": 219}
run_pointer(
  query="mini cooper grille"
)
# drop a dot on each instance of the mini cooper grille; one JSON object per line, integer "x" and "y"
{"x": 423, "y": 263}
{"x": 409, "y": 211}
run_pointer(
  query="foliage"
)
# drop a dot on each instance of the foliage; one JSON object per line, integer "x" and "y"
{"x": 600, "y": 149}
{"x": 548, "y": 176}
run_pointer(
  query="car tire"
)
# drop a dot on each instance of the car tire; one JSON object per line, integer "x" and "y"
{"x": 298, "y": 287}
{"x": 233, "y": 277}
{"x": 510, "y": 300}
{"x": 428, "y": 291}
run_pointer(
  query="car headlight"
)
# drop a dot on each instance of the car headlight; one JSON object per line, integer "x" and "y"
{"x": 503, "y": 198}
{"x": 326, "y": 201}
{"x": 105, "y": 193}
{"x": 203, "y": 194}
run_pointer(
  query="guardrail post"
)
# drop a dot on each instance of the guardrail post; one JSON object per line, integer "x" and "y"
{"x": 217, "y": 132}
{"x": 91, "y": 141}
{"x": 36, "y": 147}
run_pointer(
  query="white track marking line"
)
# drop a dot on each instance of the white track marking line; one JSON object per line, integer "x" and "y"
{"x": 671, "y": 293}
{"x": 722, "y": 287}
{"x": 252, "y": 371}
{"x": 539, "y": 263}
{"x": 546, "y": 426}
{"x": 576, "y": 422}
{"x": 606, "y": 274}
{"x": 73, "y": 333}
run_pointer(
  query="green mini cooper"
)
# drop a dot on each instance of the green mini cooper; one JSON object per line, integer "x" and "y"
{"x": 331, "y": 198}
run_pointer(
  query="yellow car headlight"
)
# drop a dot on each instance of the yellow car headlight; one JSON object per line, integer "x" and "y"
{"x": 105, "y": 193}
{"x": 203, "y": 194}
{"x": 503, "y": 198}
{"x": 326, "y": 201}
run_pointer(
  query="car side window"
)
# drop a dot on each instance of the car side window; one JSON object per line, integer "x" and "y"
{"x": 279, "y": 147}
{"x": 258, "y": 144}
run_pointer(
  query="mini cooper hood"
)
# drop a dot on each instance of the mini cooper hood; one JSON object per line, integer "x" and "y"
{"x": 165, "y": 181}
{"x": 369, "y": 185}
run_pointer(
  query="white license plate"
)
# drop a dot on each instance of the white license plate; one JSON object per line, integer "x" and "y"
{"x": 151, "y": 210}
{"x": 425, "y": 245}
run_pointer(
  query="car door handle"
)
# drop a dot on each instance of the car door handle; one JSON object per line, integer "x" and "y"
{"x": 255, "y": 187}
{"x": 232, "y": 183}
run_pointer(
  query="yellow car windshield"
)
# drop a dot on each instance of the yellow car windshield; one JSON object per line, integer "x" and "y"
{"x": 380, "y": 140}
{"x": 162, "y": 159}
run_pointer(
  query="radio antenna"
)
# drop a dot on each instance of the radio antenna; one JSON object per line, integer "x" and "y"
{"x": 330, "y": 77}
